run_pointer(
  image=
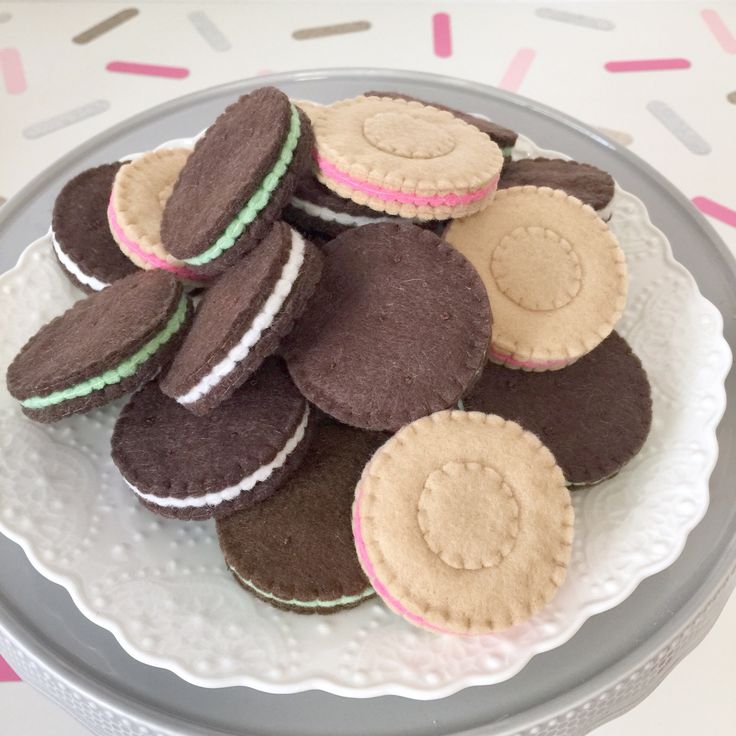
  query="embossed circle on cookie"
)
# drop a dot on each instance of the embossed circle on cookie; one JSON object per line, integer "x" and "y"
{"x": 407, "y": 134}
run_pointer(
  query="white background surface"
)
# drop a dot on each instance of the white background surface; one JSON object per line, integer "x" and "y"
{"x": 567, "y": 72}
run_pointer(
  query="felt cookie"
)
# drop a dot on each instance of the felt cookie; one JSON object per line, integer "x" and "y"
{"x": 104, "y": 346}
{"x": 504, "y": 138}
{"x": 315, "y": 209}
{"x": 594, "y": 415}
{"x": 463, "y": 523}
{"x": 80, "y": 235}
{"x": 137, "y": 202}
{"x": 190, "y": 467}
{"x": 309, "y": 108}
{"x": 242, "y": 319}
{"x": 295, "y": 550}
{"x": 240, "y": 176}
{"x": 405, "y": 158}
{"x": 555, "y": 274}
{"x": 397, "y": 329}
{"x": 589, "y": 184}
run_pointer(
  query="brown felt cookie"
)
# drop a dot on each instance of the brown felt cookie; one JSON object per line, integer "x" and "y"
{"x": 463, "y": 523}
{"x": 504, "y": 138}
{"x": 295, "y": 550}
{"x": 104, "y": 346}
{"x": 589, "y": 184}
{"x": 242, "y": 319}
{"x": 190, "y": 467}
{"x": 237, "y": 181}
{"x": 555, "y": 274}
{"x": 80, "y": 234}
{"x": 316, "y": 209}
{"x": 397, "y": 329}
{"x": 594, "y": 415}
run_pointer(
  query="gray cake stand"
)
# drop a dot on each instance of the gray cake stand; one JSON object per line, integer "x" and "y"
{"x": 613, "y": 662}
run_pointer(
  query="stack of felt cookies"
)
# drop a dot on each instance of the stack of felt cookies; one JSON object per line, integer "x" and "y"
{"x": 401, "y": 357}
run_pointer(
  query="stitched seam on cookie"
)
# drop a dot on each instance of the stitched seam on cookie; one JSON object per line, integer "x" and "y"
{"x": 73, "y": 268}
{"x": 395, "y": 195}
{"x": 344, "y": 600}
{"x": 127, "y": 243}
{"x": 341, "y": 218}
{"x": 215, "y": 498}
{"x": 124, "y": 370}
{"x": 263, "y": 320}
{"x": 259, "y": 199}
{"x": 504, "y": 359}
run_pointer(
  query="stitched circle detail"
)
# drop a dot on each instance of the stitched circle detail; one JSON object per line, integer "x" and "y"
{"x": 468, "y": 515}
{"x": 408, "y": 135}
{"x": 537, "y": 268}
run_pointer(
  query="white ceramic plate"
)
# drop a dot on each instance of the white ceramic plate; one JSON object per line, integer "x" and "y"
{"x": 161, "y": 586}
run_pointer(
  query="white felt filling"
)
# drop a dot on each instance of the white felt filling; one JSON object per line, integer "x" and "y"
{"x": 246, "y": 484}
{"x": 73, "y": 269}
{"x": 263, "y": 320}
{"x": 341, "y": 218}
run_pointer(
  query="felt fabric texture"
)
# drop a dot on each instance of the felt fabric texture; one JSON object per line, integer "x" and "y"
{"x": 298, "y": 544}
{"x": 463, "y": 523}
{"x": 589, "y": 184}
{"x": 501, "y": 136}
{"x": 555, "y": 274}
{"x": 311, "y": 109}
{"x": 229, "y": 308}
{"x": 334, "y": 210}
{"x": 139, "y": 195}
{"x": 227, "y": 167}
{"x": 80, "y": 226}
{"x": 397, "y": 329}
{"x": 411, "y": 149}
{"x": 594, "y": 415}
{"x": 165, "y": 450}
{"x": 95, "y": 335}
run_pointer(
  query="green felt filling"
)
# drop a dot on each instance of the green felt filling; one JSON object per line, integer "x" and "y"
{"x": 124, "y": 370}
{"x": 344, "y": 600}
{"x": 259, "y": 199}
{"x": 507, "y": 151}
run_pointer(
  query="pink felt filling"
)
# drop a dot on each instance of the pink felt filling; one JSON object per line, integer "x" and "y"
{"x": 508, "y": 360}
{"x": 395, "y": 195}
{"x": 380, "y": 588}
{"x": 180, "y": 271}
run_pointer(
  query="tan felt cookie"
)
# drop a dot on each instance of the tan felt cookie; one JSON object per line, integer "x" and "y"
{"x": 555, "y": 275}
{"x": 139, "y": 194}
{"x": 463, "y": 523}
{"x": 311, "y": 109}
{"x": 405, "y": 158}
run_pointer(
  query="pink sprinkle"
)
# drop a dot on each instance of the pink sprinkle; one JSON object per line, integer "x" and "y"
{"x": 647, "y": 65}
{"x": 442, "y": 35}
{"x": 713, "y": 209}
{"x": 149, "y": 70}
{"x": 517, "y": 69}
{"x": 12, "y": 69}
{"x": 6, "y": 674}
{"x": 720, "y": 30}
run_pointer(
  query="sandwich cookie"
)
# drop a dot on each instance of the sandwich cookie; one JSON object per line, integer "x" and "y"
{"x": 80, "y": 235}
{"x": 295, "y": 550}
{"x": 589, "y": 184}
{"x": 555, "y": 274}
{"x": 189, "y": 467}
{"x": 102, "y": 347}
{"x": 504, "y": 138}
{"x": 594, "y": 416}
{"x": 463, "y": 523}
{"x": 315, "y": 209}
{"x": 398, "y": 328}
{"x": 237, "y": 181}
{"x": 139, "y": 194}
{"x": 242, "y": 319}
{"x": 405, "y": 158}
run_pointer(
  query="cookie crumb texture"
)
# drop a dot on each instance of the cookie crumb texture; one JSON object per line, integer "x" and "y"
{"x": 463, "y": 523}
{"x": 399, "y": 328}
